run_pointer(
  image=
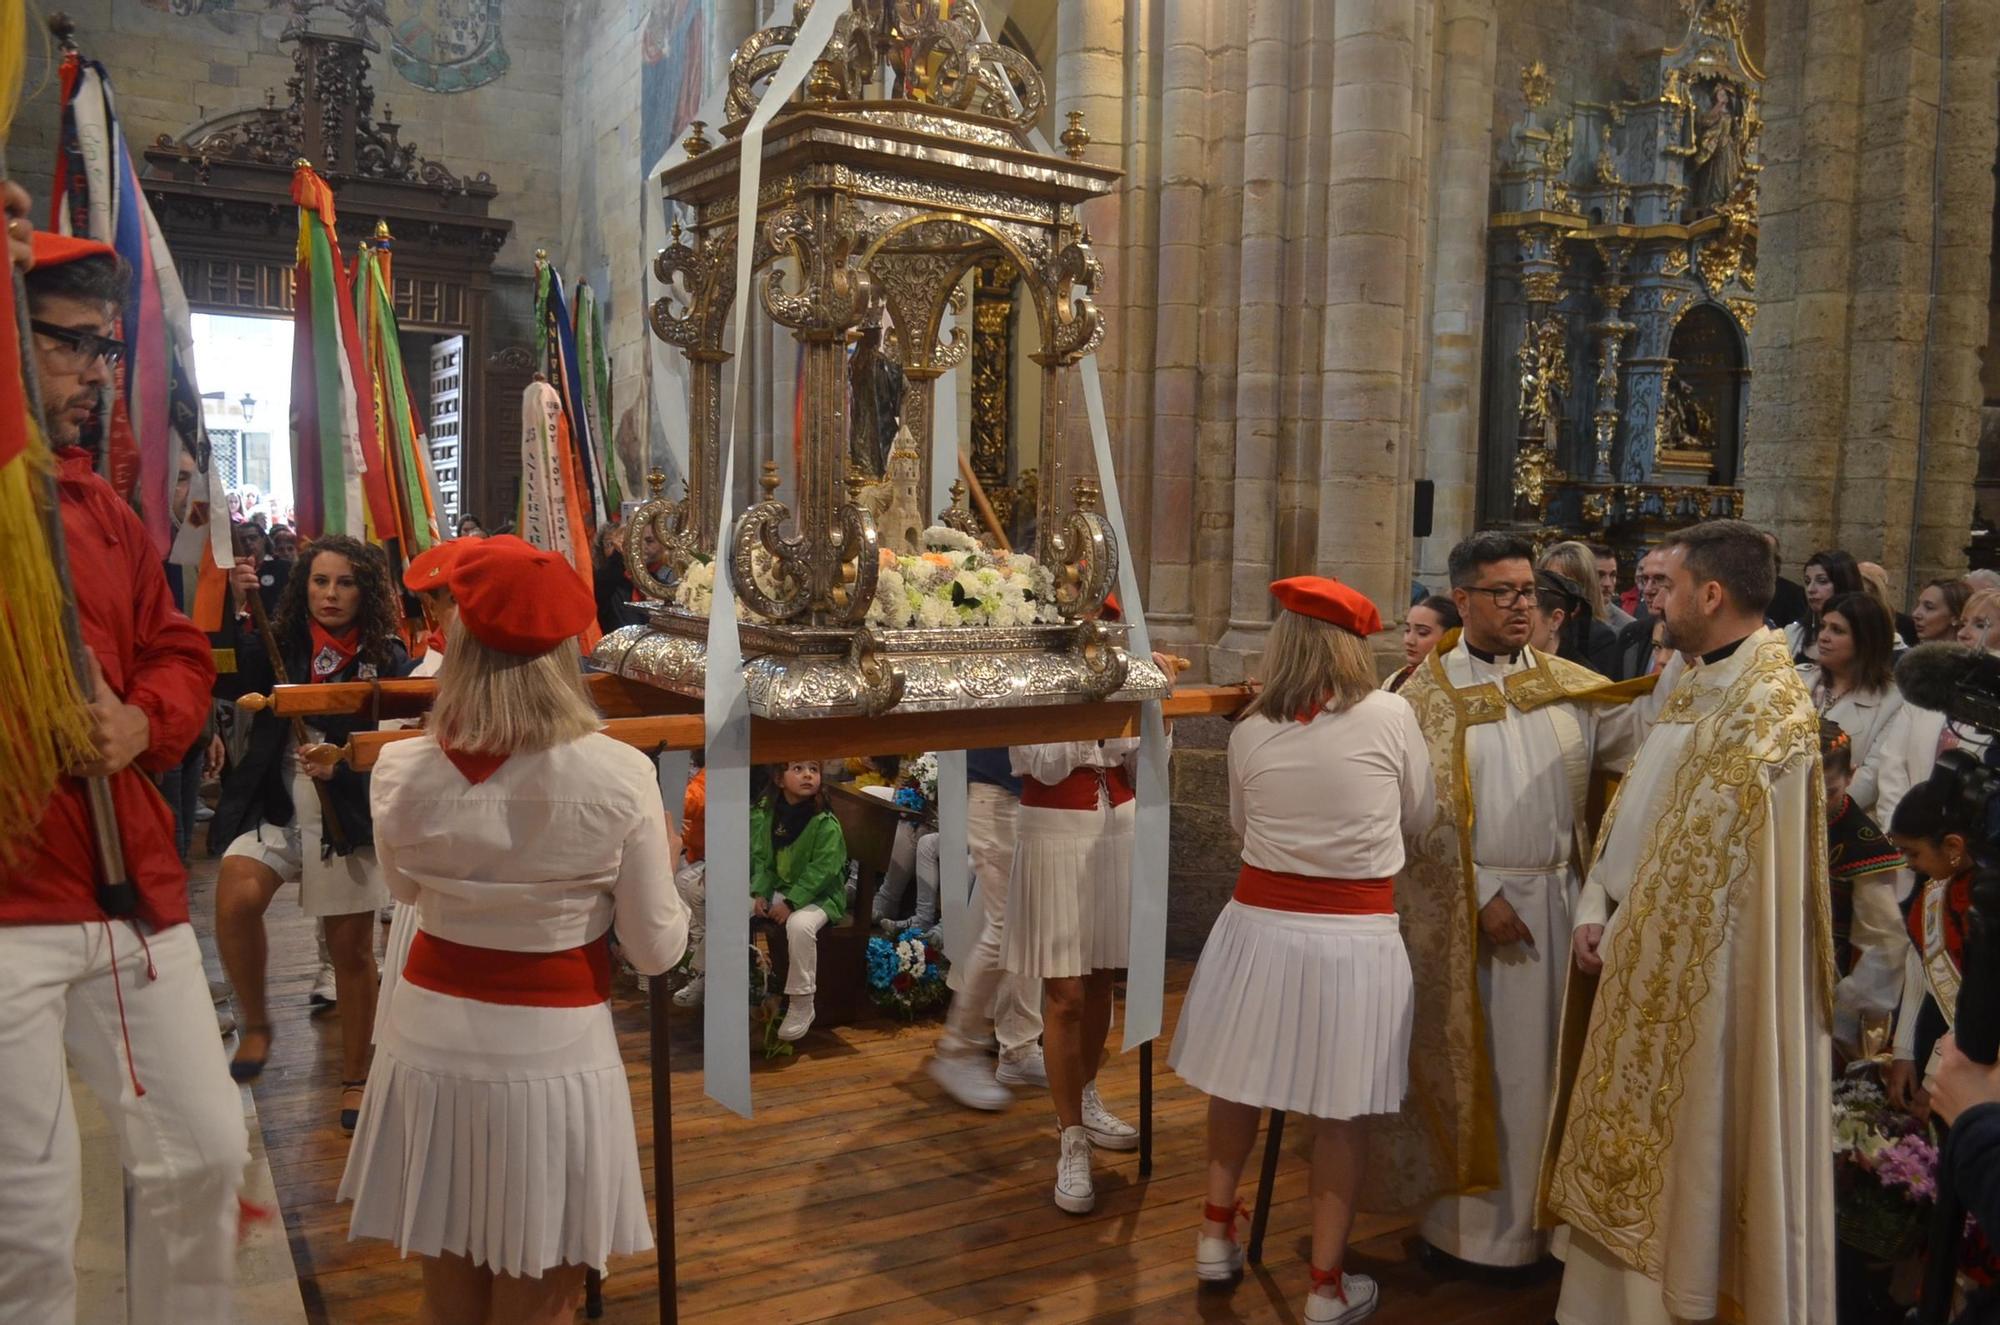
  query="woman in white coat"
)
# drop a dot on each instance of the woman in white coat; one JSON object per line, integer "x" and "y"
{"x": 496, "y": 1137}
{"x": 1302, "y": 1000}
{"x": 1853, "y": 684}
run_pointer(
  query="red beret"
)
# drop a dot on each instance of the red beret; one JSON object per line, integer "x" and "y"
{"x": 431, "y": 568}
{"x": 1327, "y": 599}
{"x": 53, "y": 250}
{"x": 516, "y": 598}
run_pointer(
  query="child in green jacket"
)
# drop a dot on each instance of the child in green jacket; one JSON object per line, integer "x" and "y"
{"x": 798, "y": 877}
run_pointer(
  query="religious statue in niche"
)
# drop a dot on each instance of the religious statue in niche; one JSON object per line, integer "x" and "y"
{"x": 1718, "y": 150}
{"x": 1686, "y": 424}
{"x": 875, "y": 387}
{"x": 1545, "y": 379}
{"x": 893, "y": 499}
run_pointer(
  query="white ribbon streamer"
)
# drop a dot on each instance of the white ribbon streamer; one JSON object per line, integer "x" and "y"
{"x": 954, "y": 874}
{"x": 725, "y": 702}
{"x": 1146, "y": 968}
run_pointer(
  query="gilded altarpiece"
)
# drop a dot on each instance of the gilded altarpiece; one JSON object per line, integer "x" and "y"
{"x": 1622, "y": 290}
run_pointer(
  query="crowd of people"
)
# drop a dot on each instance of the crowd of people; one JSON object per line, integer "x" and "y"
{"x": 1444, "y": 948}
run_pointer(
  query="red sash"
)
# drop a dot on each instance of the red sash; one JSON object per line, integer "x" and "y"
{"x": 1081, "y": 790}
{"x": 1309, "y": 894}
{"x": 572, "y": 978}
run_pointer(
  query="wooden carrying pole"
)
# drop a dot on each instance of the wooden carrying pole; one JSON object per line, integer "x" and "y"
{"x": 775, "y": 740}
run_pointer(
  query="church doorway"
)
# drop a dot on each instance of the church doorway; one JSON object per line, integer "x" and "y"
{"x": 244, "y": 367}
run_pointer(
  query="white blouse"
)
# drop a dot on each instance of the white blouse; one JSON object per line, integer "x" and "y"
{"x": 1866, "y": 716}
{"x": 542, "y": 856}
{"x": 1055, "y": 761}
{"x": 1333, "y": 797}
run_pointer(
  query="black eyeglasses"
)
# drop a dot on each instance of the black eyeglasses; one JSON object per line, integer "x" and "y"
{"x": 1506, "y": 595}
{"x": 86, "y": 345}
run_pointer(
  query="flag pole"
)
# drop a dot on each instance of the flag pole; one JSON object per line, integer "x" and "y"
{"x": 116, "y": 895}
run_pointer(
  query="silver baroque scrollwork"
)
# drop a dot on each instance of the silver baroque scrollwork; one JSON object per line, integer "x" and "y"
{"x": 1073, "y": 278}
{"x": 835, "y": 292}
{"x": 761, "y": 528}
{"x": 677, "y": 328}
{"x": 669, "y": 522}
{"x": 861, "y": 545}
{"x": 1087, "y": 563}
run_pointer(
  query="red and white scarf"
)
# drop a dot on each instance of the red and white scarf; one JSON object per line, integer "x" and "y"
{"x": 332, "y": 653}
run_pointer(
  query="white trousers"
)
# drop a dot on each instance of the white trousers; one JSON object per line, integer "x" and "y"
{"x": 984, "y": 992}
{"x": 802, "y": 929}
{"x": 1522, "y": 991}
{"x": 181, "y": 1137}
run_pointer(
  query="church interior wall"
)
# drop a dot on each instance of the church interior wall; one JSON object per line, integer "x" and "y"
{"x": 173, "y": 70}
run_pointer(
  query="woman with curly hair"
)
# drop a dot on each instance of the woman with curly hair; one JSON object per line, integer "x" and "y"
{"x": 287, "y": 818}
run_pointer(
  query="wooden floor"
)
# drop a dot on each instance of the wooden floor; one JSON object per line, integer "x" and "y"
{"x": 858, "y": 1193}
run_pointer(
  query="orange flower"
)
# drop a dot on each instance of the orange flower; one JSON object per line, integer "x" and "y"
{"x": 938, "y": 559}
{"x": 888, "y": 558}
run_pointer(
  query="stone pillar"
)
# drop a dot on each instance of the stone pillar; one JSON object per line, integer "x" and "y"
{"x": 1260, "y": 348}
{"x": 1176, "y": 370}
{"x": 1364, "y": 354}
{"x": 1877, "y": 211}
{"x": 1462, "y": 170}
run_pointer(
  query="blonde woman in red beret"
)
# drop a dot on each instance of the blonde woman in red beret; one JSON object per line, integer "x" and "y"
{"x": 1302, "y": 999}
{"x": 1069, "y": 909}
{"x": 496, "y": 1138}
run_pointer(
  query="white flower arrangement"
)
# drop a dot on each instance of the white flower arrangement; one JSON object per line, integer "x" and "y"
{"x": 923, "y": 770}
{"x": 954, "y": 582}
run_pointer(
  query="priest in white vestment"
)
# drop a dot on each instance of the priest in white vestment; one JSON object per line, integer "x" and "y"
{"x": 1691, "y": 1159}
{"x": 1485, "y": 902}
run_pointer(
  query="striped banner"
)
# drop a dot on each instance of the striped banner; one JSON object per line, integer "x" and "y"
{"x": 594, "y": 377}
{"x": 155, "y": 414}
{"x": 406, "y": 455}
{"x": 552, "y": 509}
{"x": 339, "y": 480}
{"x": 559, "y": 367}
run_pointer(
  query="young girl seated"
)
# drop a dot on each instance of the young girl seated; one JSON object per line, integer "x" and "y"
{"x": 1930, "y": 832}
{"x": 798, "y": 877}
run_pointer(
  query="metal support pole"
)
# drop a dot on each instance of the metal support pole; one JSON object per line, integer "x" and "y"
{"x": 1146, "y": 1109}
{"x": 1274, "y": 1138}
{"x": 661, "y": 1066}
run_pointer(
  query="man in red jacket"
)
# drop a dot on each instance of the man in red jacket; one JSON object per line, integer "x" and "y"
{"x": 122, "y": 1001}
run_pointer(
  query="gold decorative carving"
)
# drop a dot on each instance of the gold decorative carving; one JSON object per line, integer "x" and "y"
{"x": 1075, "y": 138}
{"x": 1674, "y": 262}
{"x": 1545, "y": 376}
{"x": 696, "y": 141}
{"x": 1745, "y": 311}
{"x": 1536, "y": 85}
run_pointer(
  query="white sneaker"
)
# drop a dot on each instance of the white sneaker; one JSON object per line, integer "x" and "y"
{"x": 967, "y": 1080}
{"x": 1025, "y": 1068}
{"x": 323, "y": 992}
{"x": 1107, "y": 1131}
{"x": 1217, "y": 1260}
{"x": 689, "y": 994}
{"x": 1074, "y": 1192}
{"x": 798, "y": 1018}
{"x": 1362, "y": 1299}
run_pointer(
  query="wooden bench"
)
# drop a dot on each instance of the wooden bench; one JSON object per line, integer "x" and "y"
{"x": 869, "y": 825}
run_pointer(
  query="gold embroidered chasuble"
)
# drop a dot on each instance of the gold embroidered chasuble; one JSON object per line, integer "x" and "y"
{"x": 1691, "y": 1138}
{"x": 1445, "y": 1141}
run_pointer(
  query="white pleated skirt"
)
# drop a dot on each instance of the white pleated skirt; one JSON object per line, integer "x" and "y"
{"x": 1069, "y": 900}
{"x": 1306, "y": 1013}
{"x": 500, "y": 1134}
{"x": 395, "y": 953}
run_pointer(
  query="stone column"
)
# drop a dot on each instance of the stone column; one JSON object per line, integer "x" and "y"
{"x": 1176, "y": 369}
{"x": 1877, "y": 213}
{"x": 1260, "y": 348}
{"x": 1363, "y": 357}
{"x": 1462, "y": 171}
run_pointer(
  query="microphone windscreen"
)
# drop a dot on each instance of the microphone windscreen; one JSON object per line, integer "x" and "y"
{"x": 1929, "y": 674}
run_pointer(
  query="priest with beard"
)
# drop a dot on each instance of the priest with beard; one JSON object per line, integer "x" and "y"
{"x": 1690, "y": 1161}
{"x": 1485, "y": 898}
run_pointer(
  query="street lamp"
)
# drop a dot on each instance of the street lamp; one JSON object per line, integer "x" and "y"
{"x": 249, "y": 404}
